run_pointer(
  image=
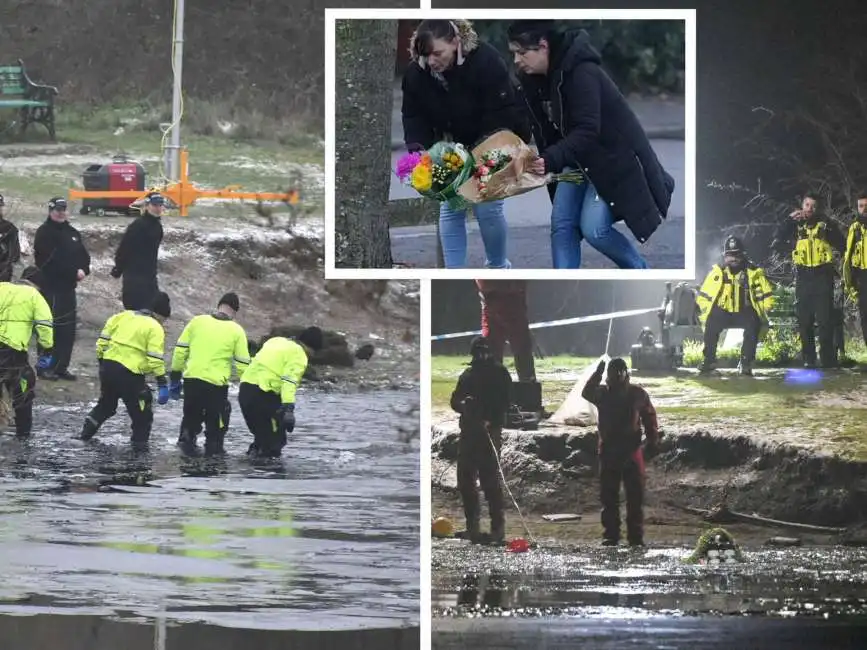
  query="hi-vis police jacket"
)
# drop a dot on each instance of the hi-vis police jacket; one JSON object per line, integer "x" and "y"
{"x": 855, "y": 257}
{"x": 136, "y": 340}
{"x": 206, "y": 348}
{"x": 721, "y": 287}
{"x": 278, "y": 368}
{"x": 813, "y": 242}
{"x": 23, "y": 309}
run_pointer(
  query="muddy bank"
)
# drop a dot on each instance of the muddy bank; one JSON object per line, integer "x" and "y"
{"x": 279, "y": 279}
{"x": 554, "y": 469}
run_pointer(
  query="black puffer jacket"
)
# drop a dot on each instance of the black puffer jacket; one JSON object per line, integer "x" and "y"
{"x": 468, "y": 102}
{"x": 59, "y": 253}
{"x": 582, "y": 120}
{"x": 136, "y": 255}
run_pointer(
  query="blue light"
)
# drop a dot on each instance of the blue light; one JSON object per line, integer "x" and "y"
{"x": 803, "y": 376}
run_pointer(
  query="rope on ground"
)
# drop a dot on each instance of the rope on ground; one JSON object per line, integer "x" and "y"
{"x": 509, "y": 491}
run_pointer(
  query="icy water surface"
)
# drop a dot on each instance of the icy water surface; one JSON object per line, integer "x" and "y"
{"x": 611, "y": 599}
{"x": 327, "y": 538}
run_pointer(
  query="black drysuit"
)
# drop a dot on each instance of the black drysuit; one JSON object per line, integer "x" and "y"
{"x": 482, "y": 395}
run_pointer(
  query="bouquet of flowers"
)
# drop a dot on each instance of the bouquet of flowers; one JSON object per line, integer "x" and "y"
{"x": 501, "y": 170}
{"x": 437, "y": 173}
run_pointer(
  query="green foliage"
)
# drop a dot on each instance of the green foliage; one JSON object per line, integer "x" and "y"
{"x": 706, "y": 543}
{"x": 645, "y": 56}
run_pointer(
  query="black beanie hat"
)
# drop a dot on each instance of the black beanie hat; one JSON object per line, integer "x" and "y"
{"x": 162, "y": 305}
{"x": 230, "y": 300}
{"x": 312, "y": 338}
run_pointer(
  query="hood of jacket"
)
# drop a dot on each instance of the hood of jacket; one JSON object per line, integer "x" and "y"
{"x": 575, "y": 47}
{"x": 468, "y": 40}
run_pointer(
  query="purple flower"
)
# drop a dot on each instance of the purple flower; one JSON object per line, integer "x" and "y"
{"x": 406, "y": 164}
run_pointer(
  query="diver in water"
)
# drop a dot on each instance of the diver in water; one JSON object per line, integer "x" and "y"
{"x": 482, "y": 397}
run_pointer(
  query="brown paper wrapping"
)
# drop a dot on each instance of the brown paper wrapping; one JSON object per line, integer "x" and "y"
{"x": 513, "y": 179}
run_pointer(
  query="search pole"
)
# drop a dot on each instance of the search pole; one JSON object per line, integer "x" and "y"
{"x": 177, "y": 68}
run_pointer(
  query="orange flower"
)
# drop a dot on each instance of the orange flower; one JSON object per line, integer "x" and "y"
{"x": 427, "y": 161}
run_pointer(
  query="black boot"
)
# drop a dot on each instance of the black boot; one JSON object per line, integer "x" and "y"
{"x": 214, "y": 444}
{"x": 89, "y": 429}
{"x": 187, "y": 443}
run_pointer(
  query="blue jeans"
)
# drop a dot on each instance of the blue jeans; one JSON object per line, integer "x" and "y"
{"x": 580, "y": 213}
{"x": 492, "y": 225}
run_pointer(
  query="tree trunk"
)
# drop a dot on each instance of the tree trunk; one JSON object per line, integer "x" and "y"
{"x": 364, "y": 98}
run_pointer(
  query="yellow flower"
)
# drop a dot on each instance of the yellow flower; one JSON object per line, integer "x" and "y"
{"x": 421, "y": 178}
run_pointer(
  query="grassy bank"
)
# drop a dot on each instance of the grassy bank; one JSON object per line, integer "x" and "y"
{"x": 825, "y": 414}
{"x": 225, "y": 149}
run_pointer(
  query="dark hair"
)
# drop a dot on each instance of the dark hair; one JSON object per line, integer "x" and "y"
{"x": 529, "y": 33}
{"x": 811, "y": 195}
{"x": 230, "y": 300}
{"x": 430, "y": 30}
{"x": 861, "y": 195}
{"x": 312, "y": 338}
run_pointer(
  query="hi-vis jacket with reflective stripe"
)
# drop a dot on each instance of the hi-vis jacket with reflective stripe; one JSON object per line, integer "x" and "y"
{"x": 136, "y": 340}
{"x": 813, "y": 245}
{"x": 207, "y": 346}
{"x": 278, "y": 368}
{"x": 721, "y": 287}
{"x": 22, "y": 308}
{"x": 855, "y": 257}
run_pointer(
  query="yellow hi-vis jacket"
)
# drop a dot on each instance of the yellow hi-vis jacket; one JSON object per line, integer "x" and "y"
{"x": 278, "y": 368}
{"x": 721, "y": 287}
{"x": 136, "y": 340}
{"x": 812, "y": 247}
{"x": 23, "y": 309}
{"x": 855, "y": 256}
{"x": 206, "y": 348}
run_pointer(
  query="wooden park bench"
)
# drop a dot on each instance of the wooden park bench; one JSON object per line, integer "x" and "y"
{"x": 34, "y": 101}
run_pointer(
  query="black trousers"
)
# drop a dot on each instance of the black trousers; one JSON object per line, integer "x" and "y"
{"x": 116, "y": 382}
{"x": 814, "y": 305}
{"x": 205, "y": 404}
{"x": 860, "y": 278}
{"x": 259, "y": 409}
{"x": 138, "y": 291}
{"x": 626, "y": 469}
{"x": 719, "y": 320}
{"x": 477, "y": 459}
{"x": 64, "y": 306}
{"x": 17, "y": 375}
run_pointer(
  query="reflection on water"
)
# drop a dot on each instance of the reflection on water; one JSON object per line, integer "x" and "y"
{"x": 327, "y": 538}
{"x": 815, "y": 583}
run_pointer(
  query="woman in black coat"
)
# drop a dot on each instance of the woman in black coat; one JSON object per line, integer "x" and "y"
{"x": 459, "y": 89}
{"x": 582, "y": 121}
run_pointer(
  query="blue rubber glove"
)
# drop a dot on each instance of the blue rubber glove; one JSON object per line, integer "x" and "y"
{"x": 163, "y": 394}
{"x": 175, "y": 390}
{"x": 286, "y": 416}
{"x": 45, "y": 362}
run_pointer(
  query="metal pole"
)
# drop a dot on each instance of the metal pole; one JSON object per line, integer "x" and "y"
{"x": 178, "y": 43}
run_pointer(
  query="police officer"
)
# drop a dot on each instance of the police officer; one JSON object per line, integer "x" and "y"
{"x": 855, "y": 262}
{"x": 623, "y": 410}
{"x": 63, "y": 262}
{"x": 813, "y": 240}
{"x": 268, "y": 386}
{"x": 136, "y": 255}
{"x": 22, "y": 309}
{"x": 203, "y": 356}
{"x": 10, "y": 246}
{"x": 735, "y": 294}
{"x": 130, "y": 347}
{"x": 482, "y": 397}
